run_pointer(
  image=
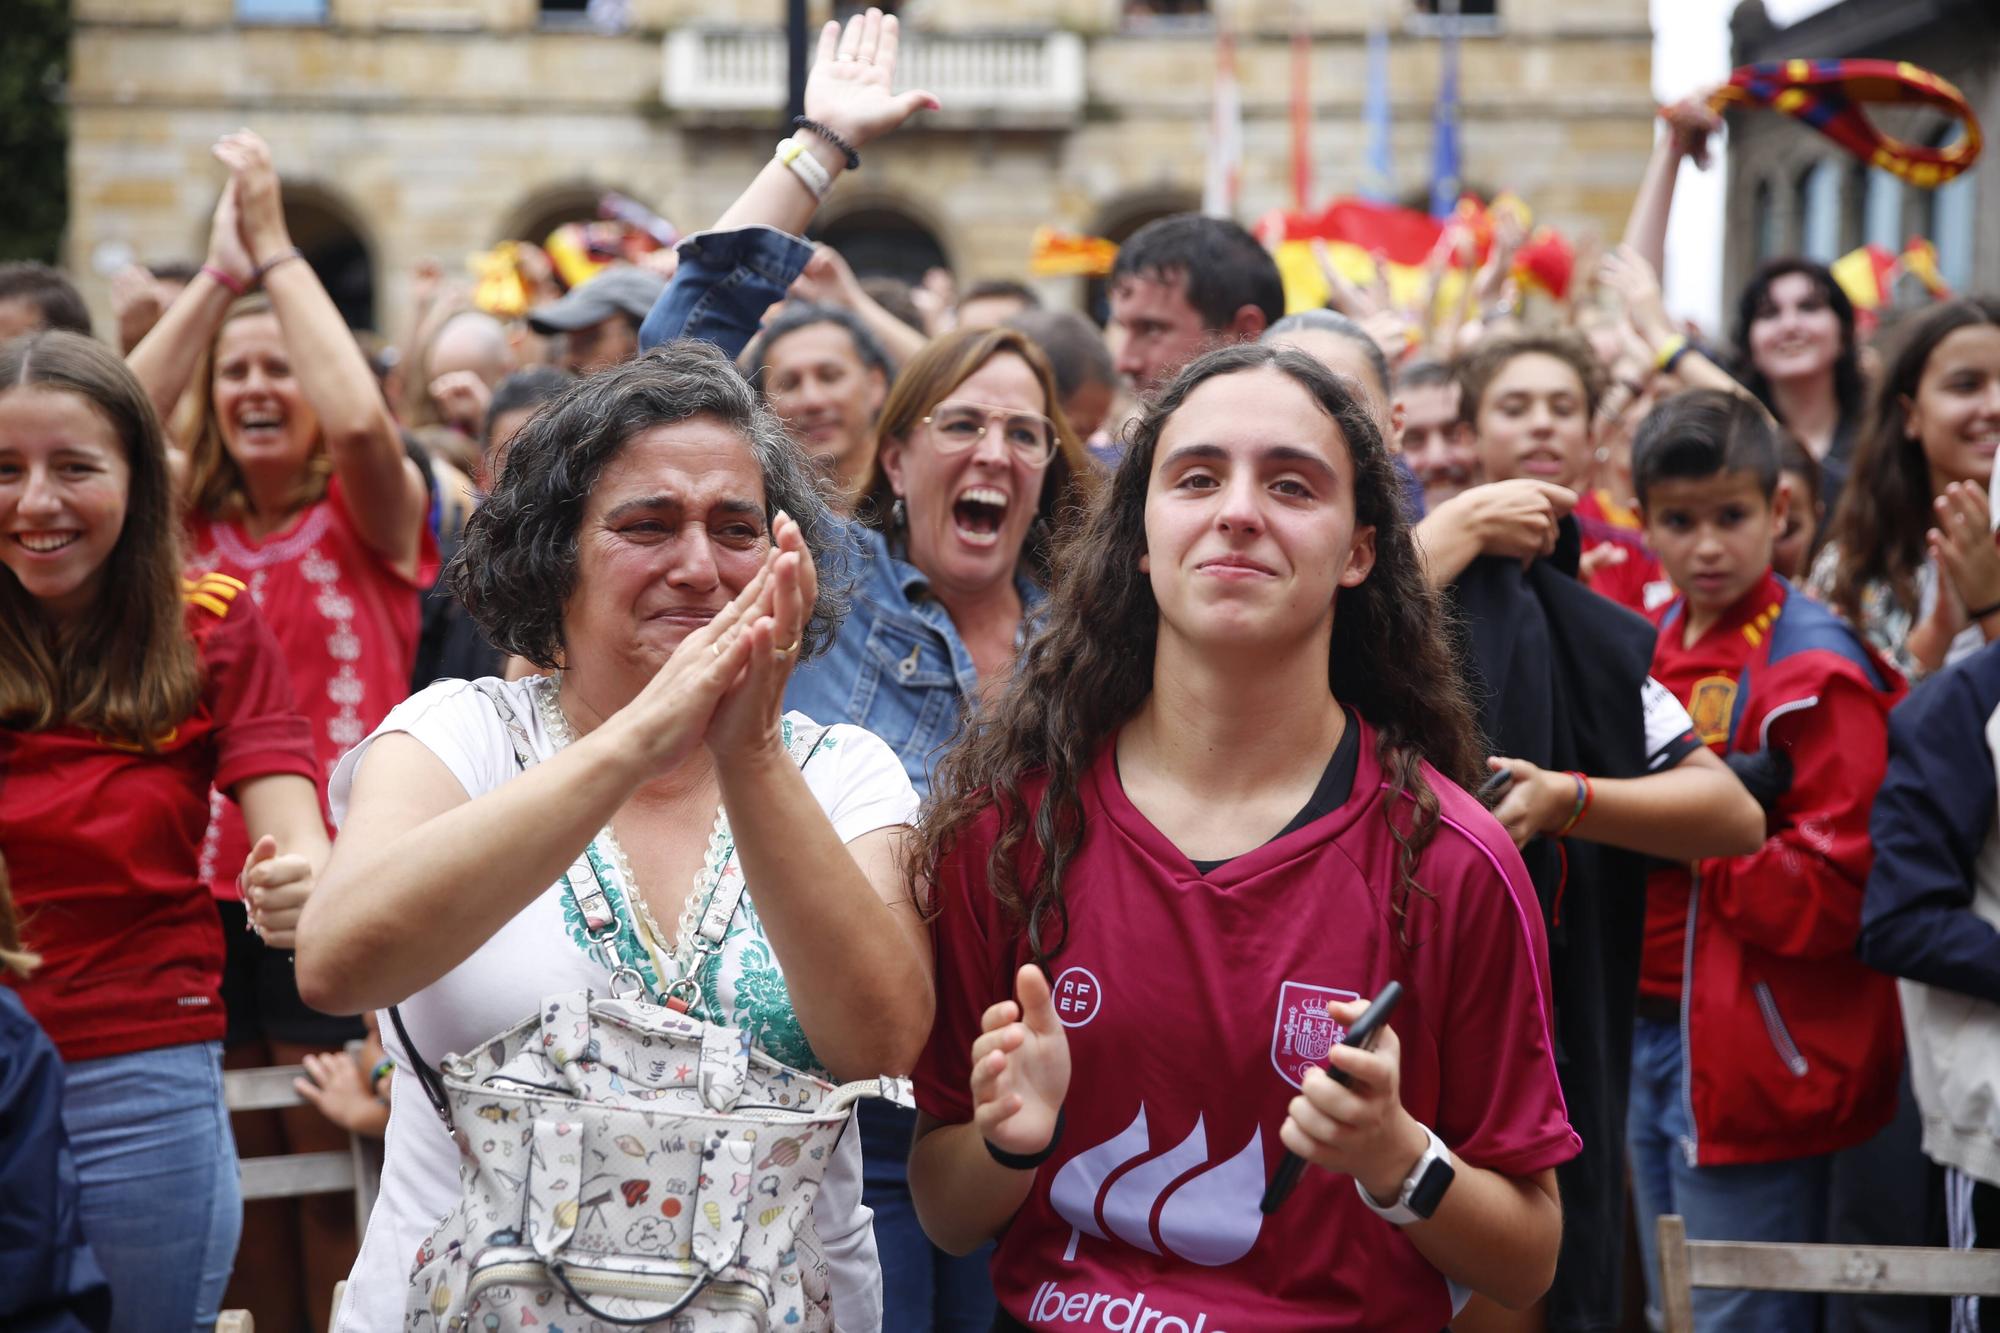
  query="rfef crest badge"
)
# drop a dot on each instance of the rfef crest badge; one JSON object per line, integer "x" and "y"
{"x": 1304, "y": 1032}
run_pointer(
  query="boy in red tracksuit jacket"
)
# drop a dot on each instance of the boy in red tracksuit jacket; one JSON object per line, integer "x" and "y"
{"x": 1763, "y": 1045}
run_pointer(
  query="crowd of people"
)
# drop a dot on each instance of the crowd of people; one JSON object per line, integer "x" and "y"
{"x": 1087, "y": 724}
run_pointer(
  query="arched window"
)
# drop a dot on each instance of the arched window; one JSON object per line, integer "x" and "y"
{"x": 883, "y": 241}
{"x": 1117, "y": 224}
{"x": 331, "y": 241}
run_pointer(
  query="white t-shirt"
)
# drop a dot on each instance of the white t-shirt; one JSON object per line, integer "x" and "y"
{"x": 859, "y": 783}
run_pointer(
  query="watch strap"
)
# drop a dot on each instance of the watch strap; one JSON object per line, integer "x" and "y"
{"x": 1423, "y": 1189}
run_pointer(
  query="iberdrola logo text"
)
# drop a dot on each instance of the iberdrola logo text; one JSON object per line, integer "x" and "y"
{"x": 1114, "y": 1314}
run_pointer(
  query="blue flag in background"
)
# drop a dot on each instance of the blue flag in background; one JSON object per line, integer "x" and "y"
{"x": 1380, "y": 183}
{"x": 1446, "y": 165}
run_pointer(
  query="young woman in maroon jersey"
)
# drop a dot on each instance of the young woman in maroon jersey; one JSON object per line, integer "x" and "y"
{"x": 1214, "y": 813}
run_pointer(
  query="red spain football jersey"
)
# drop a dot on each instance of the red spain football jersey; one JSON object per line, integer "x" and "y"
{"x": 1193, "y": 1005}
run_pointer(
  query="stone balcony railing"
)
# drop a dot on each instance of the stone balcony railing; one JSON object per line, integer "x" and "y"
{"x": 1008, "y": 80}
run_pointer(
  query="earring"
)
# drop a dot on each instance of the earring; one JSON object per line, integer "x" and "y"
{"x": 898, "y": 516}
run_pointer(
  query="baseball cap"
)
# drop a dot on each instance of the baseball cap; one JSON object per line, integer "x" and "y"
{"x": 622, "y": 289}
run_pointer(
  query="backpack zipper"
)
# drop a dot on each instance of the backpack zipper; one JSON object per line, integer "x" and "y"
{"x": 663, "y": 1288}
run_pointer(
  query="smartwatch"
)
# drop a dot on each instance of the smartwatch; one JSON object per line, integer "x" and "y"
{"x": 1423, "y": 1189}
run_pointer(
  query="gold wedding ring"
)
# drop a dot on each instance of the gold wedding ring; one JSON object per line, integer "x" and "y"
{"x": 789, "y": 649}
{"x": 715, "y": 648}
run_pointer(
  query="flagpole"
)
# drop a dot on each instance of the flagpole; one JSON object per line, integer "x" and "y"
{"x": 1301, "y": 111}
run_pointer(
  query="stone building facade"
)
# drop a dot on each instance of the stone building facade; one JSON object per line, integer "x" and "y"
{"x": 1793, "y": 191}
{"x": 408, "y": 129}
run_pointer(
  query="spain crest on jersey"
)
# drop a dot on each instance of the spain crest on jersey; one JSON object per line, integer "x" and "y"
{"x": 1710, "y": 704}
{"x": 1303, "y": 1032}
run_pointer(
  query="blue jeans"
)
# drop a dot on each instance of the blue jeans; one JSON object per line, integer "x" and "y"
{"x": 1655, "y": 1123}
{"x": 157, "y": 1169}
{"x": 1768, "y": 1201}
{"x": 924, "y": 1290}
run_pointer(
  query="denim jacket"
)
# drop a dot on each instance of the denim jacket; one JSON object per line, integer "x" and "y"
{"x": 897, "y": 666}
{"x": 726, "y": 281}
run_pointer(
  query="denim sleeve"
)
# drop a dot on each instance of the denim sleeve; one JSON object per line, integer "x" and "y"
{"x": 725, "y": 283}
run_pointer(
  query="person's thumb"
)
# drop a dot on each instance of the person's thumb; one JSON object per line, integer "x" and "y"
{"x": 909, "y": 103}
{"x": 1031, "y": 989}
{"x": 266, "y": 848}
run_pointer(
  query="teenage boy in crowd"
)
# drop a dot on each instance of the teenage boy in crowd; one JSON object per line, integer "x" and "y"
{"x": 1605, "y": 770}
{"x": 1757, "y": 1018}
{"x": 1184, "y": 284}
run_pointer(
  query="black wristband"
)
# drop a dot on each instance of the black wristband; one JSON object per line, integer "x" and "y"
{"x": 846, "y": 148}
{"x": 1027, "y": 1161}
{"x": 1981, "y": 612}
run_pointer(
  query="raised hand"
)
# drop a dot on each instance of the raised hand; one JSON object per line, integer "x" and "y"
{"x": 1359, "y": 1129}
{"x": 1020, "y": 1067}
{"x": 1626, "y": 272}
{"x": 1692, "y": 122}
{"x": 275, "y": 889}
{"x": 228, "y": 252}
{"x": 666, "y": 720}
{"x": 827, "y": 280}
{"x": 849, "y": 89}
{"x": 255, "y": 181}
{"x": 462, "y": 399}
{"x": 745, "y": 724}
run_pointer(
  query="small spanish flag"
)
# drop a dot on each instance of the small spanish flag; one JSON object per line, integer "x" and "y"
{"x": 1068, "y": 254}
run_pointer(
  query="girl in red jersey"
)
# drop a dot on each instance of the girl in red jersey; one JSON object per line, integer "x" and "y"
{"x": 299, "y": 487}
{"x": 126, "y": 693}
{"x": 1215, "y": 812}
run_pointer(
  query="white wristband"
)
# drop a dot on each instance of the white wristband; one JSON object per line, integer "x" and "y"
{"x": 805, "y": 166}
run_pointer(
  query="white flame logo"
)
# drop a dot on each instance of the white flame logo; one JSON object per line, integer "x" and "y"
{"x": 1212, "y": 1219}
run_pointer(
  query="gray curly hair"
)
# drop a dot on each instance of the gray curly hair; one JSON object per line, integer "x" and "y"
{"x": 516, "y": 568}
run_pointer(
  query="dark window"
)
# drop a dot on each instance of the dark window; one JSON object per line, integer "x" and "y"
{"x": 1467, "y": 8}
{"x": 1165, "y": 9}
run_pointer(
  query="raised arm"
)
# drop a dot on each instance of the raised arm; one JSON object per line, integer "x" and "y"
{"x": 849, "y": 93}
{"x": 166, "y": 358}
{"x": 1689, "y": 123}
{"x": 385, "y": 494}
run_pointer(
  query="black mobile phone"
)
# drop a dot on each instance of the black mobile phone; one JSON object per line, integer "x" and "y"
{"x": 1362, "y": 1034}
{"x": 1491, "y": 790}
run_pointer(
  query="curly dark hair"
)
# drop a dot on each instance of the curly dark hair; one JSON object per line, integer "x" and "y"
{"x": 1091, "y": 669}
{"x": 516, "y": 567}
{"x": 1884, "y": 510}
{"x": 1850, "y": 388}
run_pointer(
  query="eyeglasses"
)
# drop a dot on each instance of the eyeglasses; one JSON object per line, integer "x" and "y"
{"x": 957, "y": 427}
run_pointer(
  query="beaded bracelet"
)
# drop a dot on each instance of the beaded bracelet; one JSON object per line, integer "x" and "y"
{"x": 846, "y": 148}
